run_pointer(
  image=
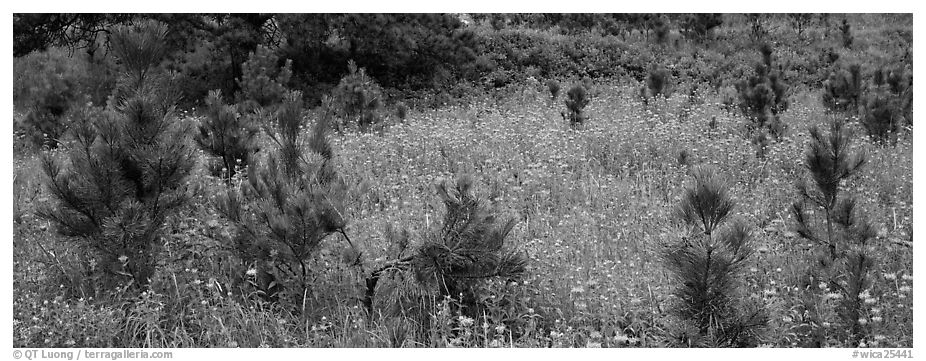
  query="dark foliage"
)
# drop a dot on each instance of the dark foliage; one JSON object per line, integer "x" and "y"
{"x": 764, "y": 95}
{"x": 845, "y": 29}
{"x": 844, "y": 259}
{"x": 699, "y": 26}
{"x": 576, "y": 99}
{"x": 357, "y": 100}
{"x": 657, "y": 84}
{"x": 291, "y": 202}
{"x": 889, "y": 103}
{"x": 228, "y": 136}
{"x": 707, "y": 264}
{"x": 842, "y": 91}
{"x": 468, "y": 248}
{"x": 263, "y": 82}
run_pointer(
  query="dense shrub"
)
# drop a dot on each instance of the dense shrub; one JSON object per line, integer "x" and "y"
{"x": 125, "y": 173}
{"x": 45, "y": 86}
{"x": 707, "y": 264}
{"x": 699, "y": 26}
{"x": 553, "y": 87}
{"x": 226, "y": 135}
{"x": 842, "y": 91}
{"x": 292, "y": 200}
{"x": 576, "y": 99}
{"x": 842, "y": 237}
{"x": 764, "y": 95}
{"x": 889, "y": 102}
{"x": 657, "y": 84}
{"x": 357, "y": 100}
{"x": 263, "y": 82}
{"x": 469, "y": 247}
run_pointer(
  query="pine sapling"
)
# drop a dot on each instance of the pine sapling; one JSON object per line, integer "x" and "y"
{"x": 126, "y": 170}
{"x": 576, "y": 100}
{"x": 263, "y": 83}
{"x": 292, "y": 200}
{"x": 468, "y": 247}
{"x": 844, "y": 255}
{"x": 227, "y": 136}
{"x": 707, "y": 264}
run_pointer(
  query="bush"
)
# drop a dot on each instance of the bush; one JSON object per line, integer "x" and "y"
{"x": 576, "y": 100}
{"x": 842, "y": 91}
{"x": 889, "y": 103}
{"x": 227, "y": 136}
{"x": 657, "y": 84}
{"x": 357, "y": 100}
{"x": 263, "y": 83}
{"x": 846, "y": 31}
{"x": 707, "y": 264}
{"x": 553, "y": 87}
{"x": 126, "y": 172}
{"x": 843, "y": 256}
{"x": 126, "y": 175}
{"x": 45, "y": 86}
{"x": 699, "y": 26}
{"x": 453, "y": 259}
{"x": 764, "y": 95}
{"x": 292, "y": 200}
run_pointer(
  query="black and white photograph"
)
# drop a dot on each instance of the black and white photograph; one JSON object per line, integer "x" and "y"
{"x": 461, "y": 180}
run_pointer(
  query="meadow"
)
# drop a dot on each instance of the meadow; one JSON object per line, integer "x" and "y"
{"x": 592, "y": 205}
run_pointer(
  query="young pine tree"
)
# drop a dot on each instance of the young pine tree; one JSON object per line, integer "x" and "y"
{"x": 227, "y": 136}
{"x": 889, "y": 103}
{"x": 657, "y": 84}
{"x": 467, "y": 248}
{"x": 125, "y": 171}
{"x": 842, "y": 91}
{"x": 576, "y": 99}
{"x": 707, "y": 265}
{"x": 764, "y": 96}
{"x": 291, "y": 202}
{"x": 263, "y": 82}
{"x": 844, "y": 256}
{"x": 357, "y": 100}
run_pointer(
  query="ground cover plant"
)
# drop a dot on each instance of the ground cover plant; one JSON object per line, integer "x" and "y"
{"x": 562, "y": 180}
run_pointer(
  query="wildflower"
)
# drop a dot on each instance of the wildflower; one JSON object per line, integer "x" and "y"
{"x": 876, "y": 319}
{"x": 251, "y": 272}
{"x": 863, "y": 321}
{"x": 890, "y": 276}
{"x": 904, "y": 289}
{"x": 907, "y": 277}
{"x": 621, "y": 338}
{"x": 466, "y": 321}
{"x": 500, "y": 329}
